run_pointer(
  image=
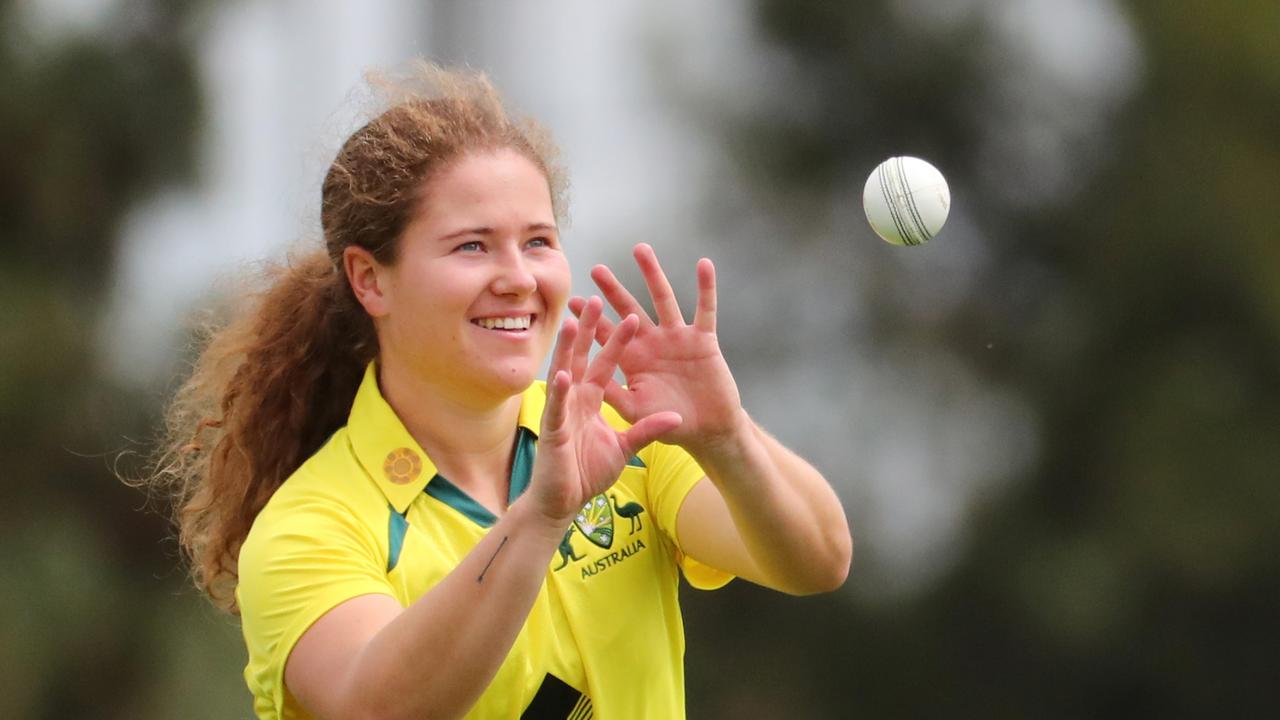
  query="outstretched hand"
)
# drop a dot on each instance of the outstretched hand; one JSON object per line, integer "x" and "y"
{"x": 579, "y": 454}
{"x": 668, "y": 365}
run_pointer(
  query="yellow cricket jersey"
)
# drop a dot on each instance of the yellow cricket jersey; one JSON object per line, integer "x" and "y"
{"x": 369, "y": 514}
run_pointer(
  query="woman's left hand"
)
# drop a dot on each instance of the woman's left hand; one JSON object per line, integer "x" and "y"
{"x": 762, "y": 512}
{"x": 671, "y": 365}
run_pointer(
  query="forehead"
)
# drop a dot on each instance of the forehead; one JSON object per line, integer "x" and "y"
{"x": 490, "y": 186}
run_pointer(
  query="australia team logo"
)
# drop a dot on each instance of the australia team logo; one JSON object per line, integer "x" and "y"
{"x": 595, "y": 522}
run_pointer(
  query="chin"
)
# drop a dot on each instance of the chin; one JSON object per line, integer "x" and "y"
{"x": 511, "y": 380}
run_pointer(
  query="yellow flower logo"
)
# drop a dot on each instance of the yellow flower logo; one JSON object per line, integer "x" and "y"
{"x": 402, "y": 466}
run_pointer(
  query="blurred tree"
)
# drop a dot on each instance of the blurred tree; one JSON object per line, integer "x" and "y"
{"x": 1130, "y": 569}
{"x": 91, "y": 120}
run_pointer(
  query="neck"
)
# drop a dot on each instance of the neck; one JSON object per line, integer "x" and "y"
{"x": 469, "y": 438}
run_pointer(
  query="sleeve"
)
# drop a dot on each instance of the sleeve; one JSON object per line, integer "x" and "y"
{"x": 295, "y": 566}
{"x": 672, "y": 474}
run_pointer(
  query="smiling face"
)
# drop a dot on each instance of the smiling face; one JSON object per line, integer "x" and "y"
{"x": 473, "y": 301}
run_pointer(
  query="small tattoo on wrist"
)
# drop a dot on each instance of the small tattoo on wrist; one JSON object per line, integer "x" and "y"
{"x": 491, "y": 559}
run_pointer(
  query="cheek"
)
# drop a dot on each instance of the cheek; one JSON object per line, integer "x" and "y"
{"x": 555, "y": 282}
{"x": 442, "y": 289}
{"x": 431, "y": 307}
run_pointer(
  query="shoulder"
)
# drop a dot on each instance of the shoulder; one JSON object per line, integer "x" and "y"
{"x": 329, "y": 493}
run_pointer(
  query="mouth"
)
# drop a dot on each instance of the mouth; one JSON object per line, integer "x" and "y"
{"x": 506, "y": 323}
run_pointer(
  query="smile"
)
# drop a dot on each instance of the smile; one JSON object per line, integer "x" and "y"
{"x": 515, "y": 323}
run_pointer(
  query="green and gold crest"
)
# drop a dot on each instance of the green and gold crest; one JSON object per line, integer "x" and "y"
{"x": 595, "y": 521}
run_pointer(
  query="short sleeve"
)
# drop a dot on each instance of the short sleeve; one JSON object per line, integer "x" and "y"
{"x": 297, "y": 564}
{"x": 672, "y": 474}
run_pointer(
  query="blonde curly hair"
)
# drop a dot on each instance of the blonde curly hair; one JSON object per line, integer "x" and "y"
{"x": 276, "y": 379}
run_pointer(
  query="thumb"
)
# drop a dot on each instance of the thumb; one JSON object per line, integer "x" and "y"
{"x": 648, "y": 429}
{"x": 620, "y": 398}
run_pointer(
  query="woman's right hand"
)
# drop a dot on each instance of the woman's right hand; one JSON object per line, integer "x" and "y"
{"x": 579, "y": 454}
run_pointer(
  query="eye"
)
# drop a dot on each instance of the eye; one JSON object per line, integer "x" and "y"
{"x": 539, "y": 242}
{"x": 470, "y": 246}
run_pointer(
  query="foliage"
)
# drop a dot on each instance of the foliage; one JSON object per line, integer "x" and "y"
{"x": 90, "y": 123}
{"x": 1129, "y": 570}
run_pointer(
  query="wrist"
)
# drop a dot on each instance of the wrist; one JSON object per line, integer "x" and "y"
{"x": 726, "y": 445}
{"x": 527, "y": 514}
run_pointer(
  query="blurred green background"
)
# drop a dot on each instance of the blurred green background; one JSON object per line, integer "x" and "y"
{"x": 1056, "y": 428}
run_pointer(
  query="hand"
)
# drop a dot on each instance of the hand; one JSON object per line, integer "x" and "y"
{"x": 579, "y": 454}
{"x": 670, "y": 366}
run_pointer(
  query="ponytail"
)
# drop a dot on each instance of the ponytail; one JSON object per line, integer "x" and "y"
{"x": 267, "y": 391}
{"x": 275, "y": 382}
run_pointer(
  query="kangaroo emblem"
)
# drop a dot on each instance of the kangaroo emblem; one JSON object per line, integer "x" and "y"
{"x": 566, "y": 549}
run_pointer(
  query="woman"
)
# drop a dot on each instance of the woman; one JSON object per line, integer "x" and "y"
{"x": 409, "y": 523}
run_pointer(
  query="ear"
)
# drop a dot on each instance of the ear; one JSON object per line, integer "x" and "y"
{"x": 369, "y": 279}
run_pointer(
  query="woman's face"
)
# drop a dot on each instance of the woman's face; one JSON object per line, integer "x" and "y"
{"x": 475, "y": 296}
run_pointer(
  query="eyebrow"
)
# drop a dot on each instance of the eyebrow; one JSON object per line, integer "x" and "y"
{"x": 486, "y": 231}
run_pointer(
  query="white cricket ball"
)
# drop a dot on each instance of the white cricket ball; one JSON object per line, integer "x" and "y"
{"x": 907, "y": 200}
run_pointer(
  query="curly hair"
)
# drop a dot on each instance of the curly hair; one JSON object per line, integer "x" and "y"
{"x": 278, "y": 377}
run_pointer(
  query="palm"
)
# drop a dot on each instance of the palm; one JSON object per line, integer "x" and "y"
{"x": 579, "y": 454}
{"x": 680, "y": 369}
{"x": 585, "y": 449}
{"x": 671, "y": 365}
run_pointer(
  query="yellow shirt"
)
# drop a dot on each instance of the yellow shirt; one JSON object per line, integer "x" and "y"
{"x": 369, "y": 514}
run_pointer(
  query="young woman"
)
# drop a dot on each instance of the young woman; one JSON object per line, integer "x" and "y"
{"x": 412, "y": 525}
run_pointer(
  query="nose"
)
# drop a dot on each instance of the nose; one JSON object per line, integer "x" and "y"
{"x": 513, "y": 275}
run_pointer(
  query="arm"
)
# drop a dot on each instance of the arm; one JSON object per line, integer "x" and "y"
{"x": 366, "y": 657}
{"x": 764, "y": 513}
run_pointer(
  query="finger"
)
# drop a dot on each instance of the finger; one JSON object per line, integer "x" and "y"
{"x": 704, "y": 318}
{"x": 604, "y": 327}
{"x": 586, "y": 335}
{"x": 620, "y": 399}
{"x": 606, "y": 361}
{"x": 647, "y": 430}
{"x": 554, "y": 412}
{"x": 562, "y": 354}
{"x": 620, "y": 299}
{"x": 664, "y": 298}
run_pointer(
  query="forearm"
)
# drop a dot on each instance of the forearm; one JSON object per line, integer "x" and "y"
{"x": 788, "y": 517}
{"x": 437, "y": 657}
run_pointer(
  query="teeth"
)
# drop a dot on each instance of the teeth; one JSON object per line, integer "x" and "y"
{"x": 505, "y": 323}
